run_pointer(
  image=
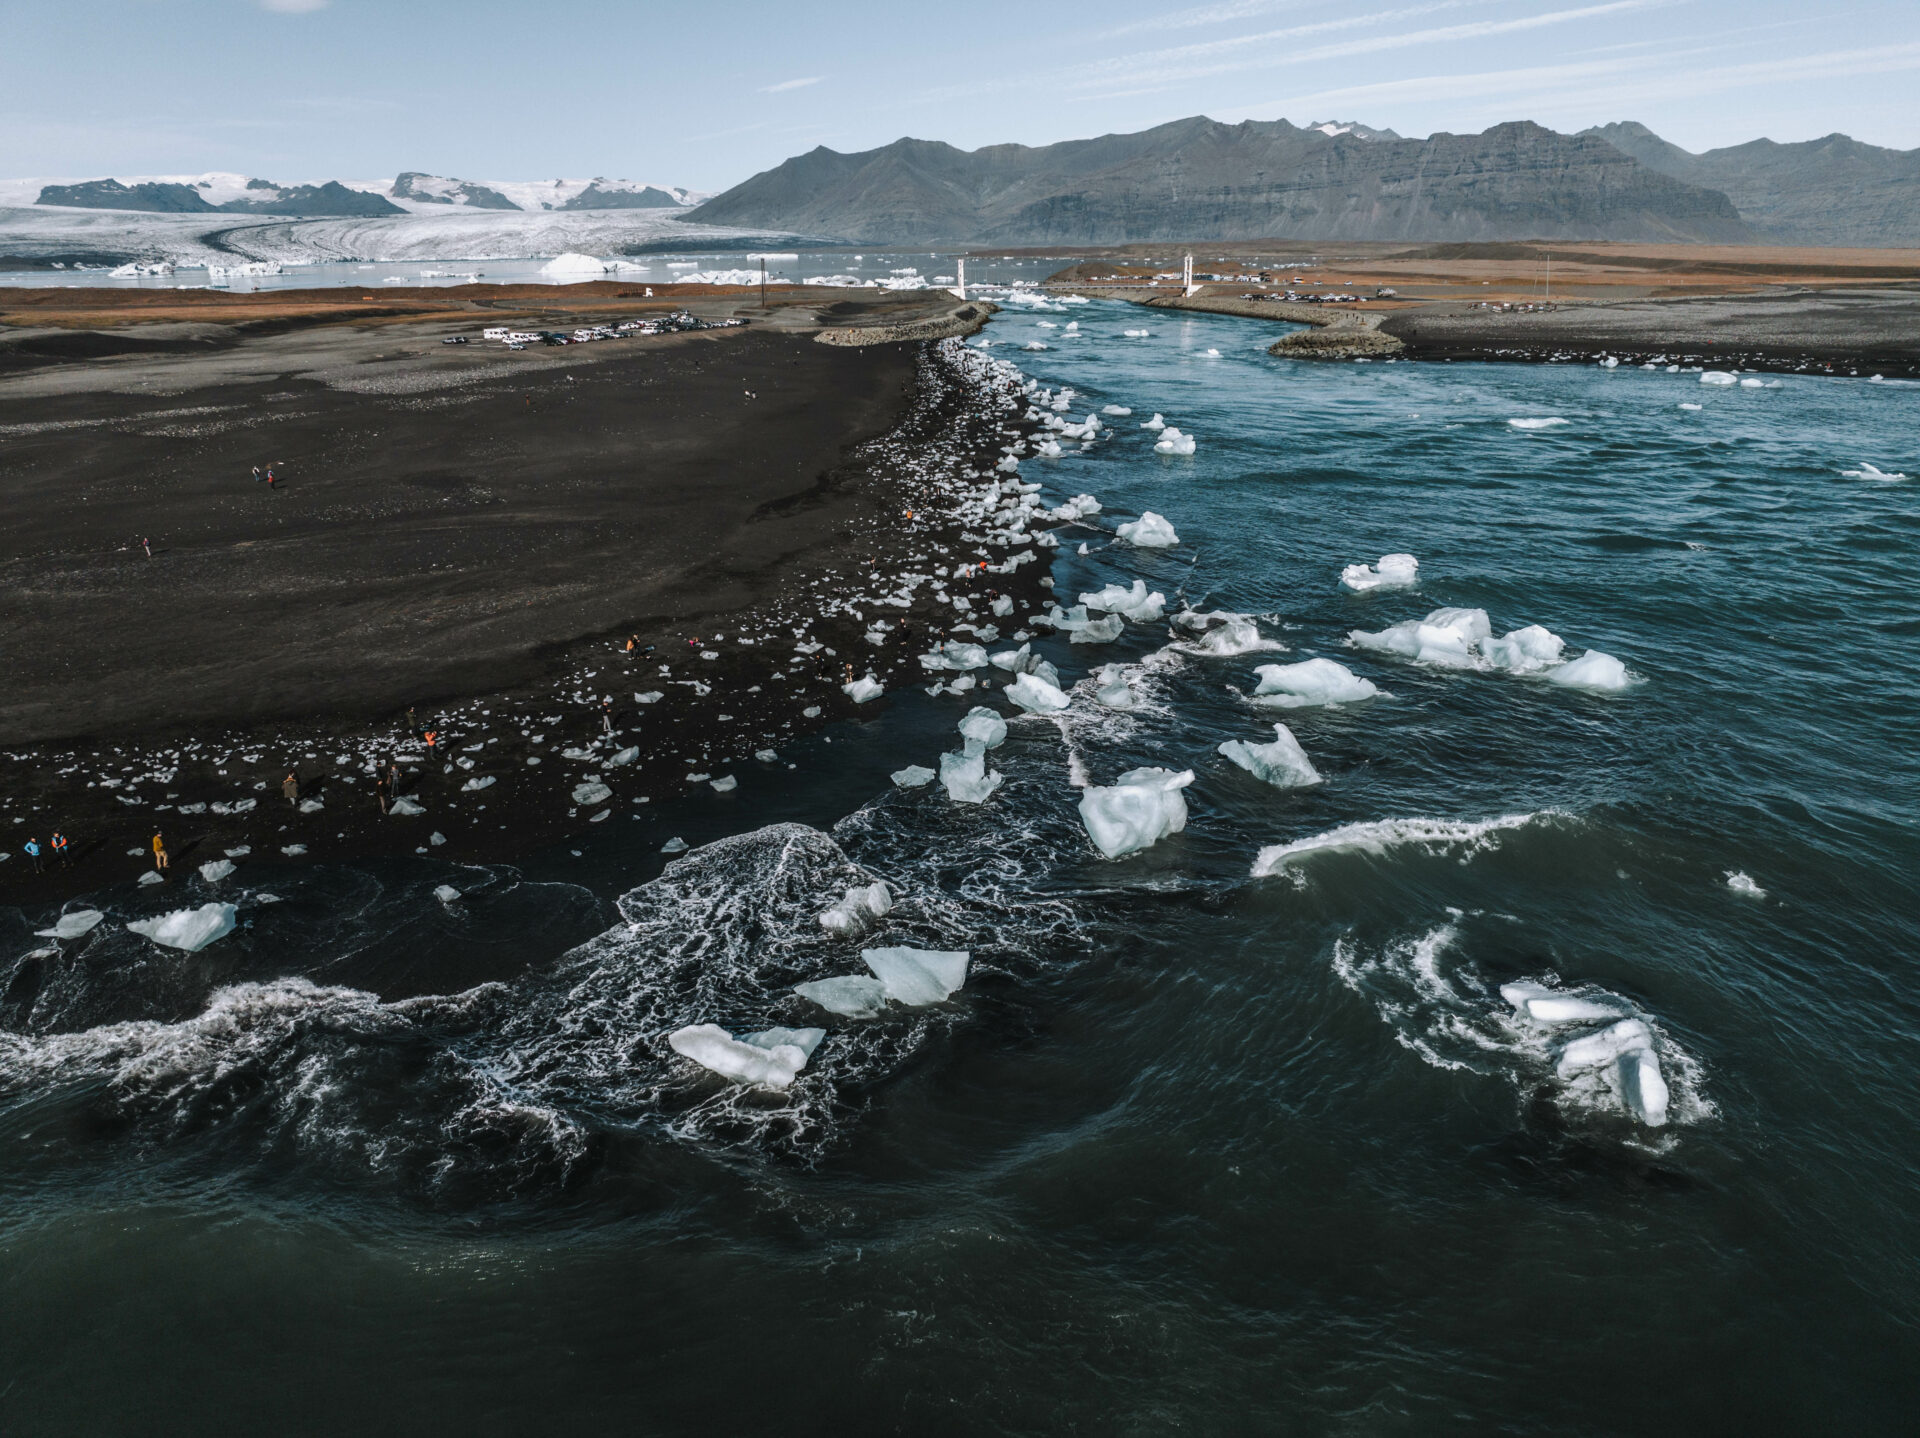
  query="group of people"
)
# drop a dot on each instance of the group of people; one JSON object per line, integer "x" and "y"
{"x": 61, "y": 852}
{"x": 266, "y": 477}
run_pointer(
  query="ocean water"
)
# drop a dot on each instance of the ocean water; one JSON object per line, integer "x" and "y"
{"x": 1193, "y": 1150}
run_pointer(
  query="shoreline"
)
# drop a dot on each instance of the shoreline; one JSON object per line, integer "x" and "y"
{"x": 538, "y": 744}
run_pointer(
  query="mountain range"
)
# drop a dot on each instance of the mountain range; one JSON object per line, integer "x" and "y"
{"x": 412, "y": 191}
{"x": 1201, "y": 179}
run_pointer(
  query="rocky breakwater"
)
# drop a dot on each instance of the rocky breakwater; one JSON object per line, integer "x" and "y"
{"x": 966, "y": 317}
{"x": 1336, "y": 333}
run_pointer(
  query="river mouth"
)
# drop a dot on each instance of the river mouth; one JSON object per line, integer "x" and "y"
{"x": 1191, "y": 1146}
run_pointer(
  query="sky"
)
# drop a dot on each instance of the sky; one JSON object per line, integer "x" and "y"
{"x": 684, "y": 94}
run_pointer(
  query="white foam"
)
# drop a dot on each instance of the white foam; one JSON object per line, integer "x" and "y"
{"x": 1377, "y": 836}
{"x": 1283, "y": 763}
{"x": 1311, "y": 681}
{"x": 1552, "y": 422}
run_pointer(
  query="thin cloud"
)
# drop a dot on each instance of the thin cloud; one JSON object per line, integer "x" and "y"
{"x": 1206, "y": 15}
{"x": 786, "y": 85}
{"x": 293, "y": 7}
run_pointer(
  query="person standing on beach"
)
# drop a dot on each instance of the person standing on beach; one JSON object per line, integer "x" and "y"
{"x": 62, "y": 850}
{"x": 606, "y": 717}
{"x": 290, "y": 786}
{"x": 380, "y": 791}
{"x": 159, "y": 853}
{"x": 256, "y": 474}
{"x": 147, "y": 544}
{"x": 32, "y": 848}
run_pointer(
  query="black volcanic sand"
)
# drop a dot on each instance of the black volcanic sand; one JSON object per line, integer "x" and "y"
{"x": 1828, "y": 331}
{"x": 476, "y": 552}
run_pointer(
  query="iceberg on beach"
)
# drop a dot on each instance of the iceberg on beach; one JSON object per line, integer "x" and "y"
{"x": 1283, "y": 763}
{"x": 189, "y": 929}
{"x": 1395, "y": 571}
{"x": 771, "y": 1058}
{"x": 1098, "y": 631}
{"x": 1035, "y": 695}
{"x": 1136, "y": 811}
{"x": 1311, "y": 681}
{"x": 983, "y": 729}
{"x": 214, "y": 870}
{"x": 862, "y": 690}
{"x": 1149, "y": 531}
{"x": 914, "y": 776}
{"x": 916, "y": 977}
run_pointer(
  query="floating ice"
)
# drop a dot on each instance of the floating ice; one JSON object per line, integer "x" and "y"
{"x": 1237, "y": 635}
{"x": 1551, "y": 1006}
{"x": 445, "y": 893}
{"x": 1135, "y": 603}
{"x": 862, "y": 906}
{"x": 215, "y": 870}
{"x": 589, "y": 794}
{"x": 852, "y": 996}
{"x": 1035, "y": 695}
{"x": 1592, "y": 670}
{"x": 72, "y": 924}
{"x": 771, "y": 1058}
{"x": 1868, "y": 471}
{"x": 1597, "y": 1050}
{"x": 1118, "y": 411}
{"x": 1136, "y": 811}
{"x": 573, "y": 265}
{"x": 1524, "y": 651}
{"x": 916, "y": 977}
{"x": 1751, "y": 383}
{"x": 914, "y": 776}
{"x": 1311, "y": 681}
{"x": 1134, "y": 334}
{"x": 725, "y": 784}
{"x": 1172, "y": 441}
{"x": 1098, "y": 631}
{"x": 1395, "y": 571}
{"x": 1685, "y": 405}
{"x": 189, "y": 929}
{"x": 983, "y": 729}
{"x": 1149, "y": 531}
{"x": 1714, "y": 376}
{"x": 1742, "y": 883}
{"x": 967, "y": 778}
{"x": 674, "y": 846}
{"x": 1445, "y": 637}
{"x": 1155, "y": 423}
{"x": 1644, "y": 1087}
{"x": 1550, "y": 423}
{"x": 151, "y": 877}
{"x": 1114, "y": 691}
{"x": 1283, "y": 763}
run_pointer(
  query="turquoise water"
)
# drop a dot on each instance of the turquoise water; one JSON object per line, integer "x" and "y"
{"x": 1193, "y": 1150}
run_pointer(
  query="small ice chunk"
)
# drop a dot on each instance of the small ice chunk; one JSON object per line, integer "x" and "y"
{"x": 1035, "y": 695}
{"x": 1742, "y": 883}
{"x": 853, "y": 996}
{"x": 812, "y": 711}
{"x": 862, "y": 906}
{"x": 918, "y": 976}
{"x": 1239, "y": 635}
{"x": 1714, "y": 376}
{"x": 1593, "y": 670}
{"x": 311, "y": 806}
{"x": 866, "y": 688}
{"x": 1135, "y": 603}
{"x": 589, "y": 794}
{"x": 1395, "y": 571}
{"x": 1550, "y": 1006}
{"x": 72, "y": 924}
{"x": 294, "y": 851}
{"x": 1149, "y": 531}
{"x": 1602, "y": 1048}
{"x": 1644, "y": 1087}
{"x": 1099, "y": 631}
{"x": 623, "y": 756}
{"x": 404, "y": 807}
{"x": 1156, "y": 423}
{"x": 151, "y": 877}
{"x": 1114, "y": 691}
{"x": 1172, "y": 441}
{"x": 215, "y": 870}
{"x": 1445, "y": 637}
{"x": 477, "y": 783}
{"x": 189, "y": 929}
{"x": 726, "y": 784}
{"x": 445, "y": 893}
{"x": 745, "y": 1062}
{"x": 1311, "y": 681}
{"x": 984, "y": 728}
{"x": 653, "y": 696}
{"x": 1119, "y": 411}
{"x": 914, "y": 776}
{"x": 674, "y": 846}
{"x": 1524, "y": 651}
{"x": 1136, "y": 811}
{"x": 1553, "y": 422}
{"x": 1283, "y": 763}
{"x": 967, "y": 778}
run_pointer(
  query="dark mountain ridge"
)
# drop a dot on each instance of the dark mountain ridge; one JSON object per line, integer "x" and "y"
{"x": 1198, "y": 178}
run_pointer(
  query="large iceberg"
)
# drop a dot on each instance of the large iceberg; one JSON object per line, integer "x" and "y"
{"x": 862, "y": 690}
{"x": 189, "y": 929}
{"x": 1283, "y": 763}
{"x": 1311, "y": 681}
{"x": 918, "y": 976}
{"x": 771, "y": 1057}
{"x": 573, "y": 266}
{"x": 1136, "y": 811}
{"x": 1149, "y": 531}
{"x": 1445, "y": 637}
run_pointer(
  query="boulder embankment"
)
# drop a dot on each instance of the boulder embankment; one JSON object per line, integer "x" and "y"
{"x": 1335, "y": 334}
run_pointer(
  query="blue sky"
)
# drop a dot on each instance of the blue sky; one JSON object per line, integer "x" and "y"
{"x": 705, "y": 95}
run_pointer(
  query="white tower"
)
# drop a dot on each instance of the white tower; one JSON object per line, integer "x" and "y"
{"x": 1187, "y": 285}
{"x": 960, "y": 278}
